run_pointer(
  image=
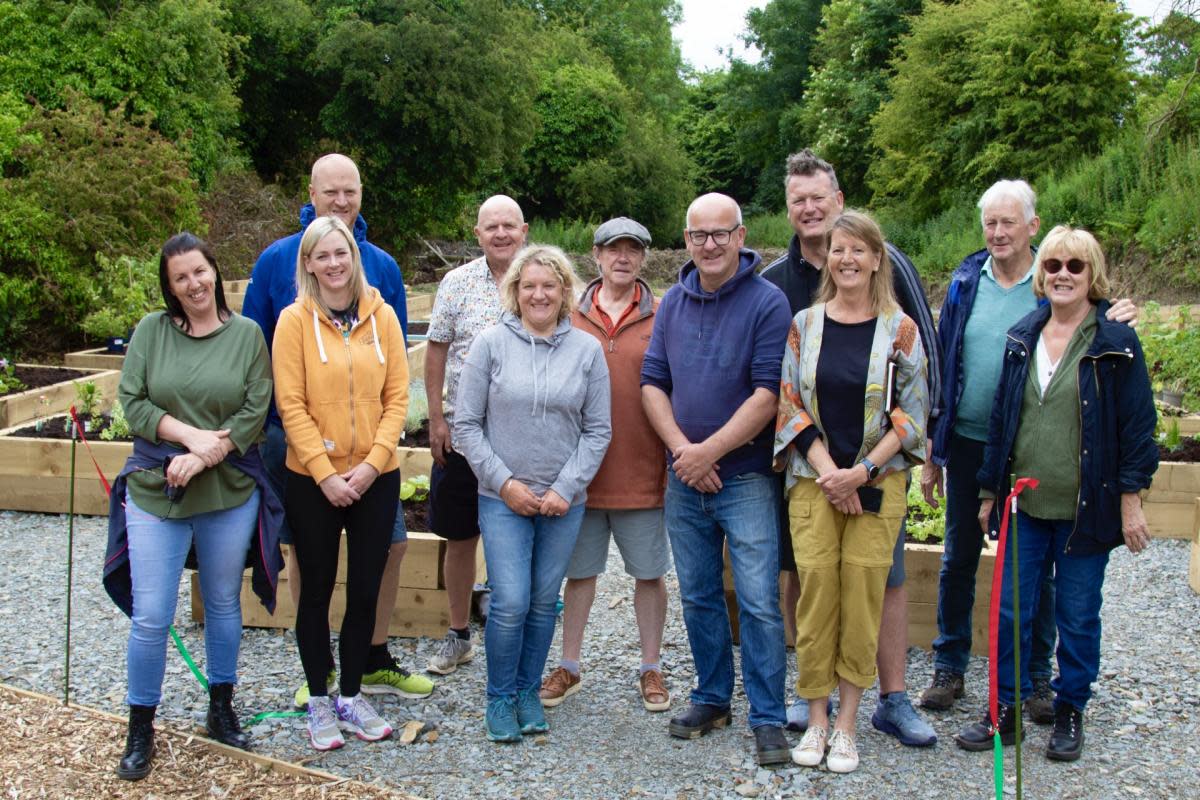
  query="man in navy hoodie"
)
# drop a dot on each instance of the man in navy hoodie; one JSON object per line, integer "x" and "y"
{"x": 335, "y": 189}
{"x": 710, "y": 386}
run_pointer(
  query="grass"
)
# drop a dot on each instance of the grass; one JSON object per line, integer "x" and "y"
{"x": 573, "y": 236}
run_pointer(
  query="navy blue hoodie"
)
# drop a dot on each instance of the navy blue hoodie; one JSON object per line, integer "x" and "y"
{"x": 711, "y": 350}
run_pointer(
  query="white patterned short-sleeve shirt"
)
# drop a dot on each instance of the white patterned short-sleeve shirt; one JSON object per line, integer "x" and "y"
{"x": 467, "y": 302}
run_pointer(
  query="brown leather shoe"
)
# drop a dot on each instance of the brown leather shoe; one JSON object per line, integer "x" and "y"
{"x": 655, "y": 696}
{"x": 558, "y": 686}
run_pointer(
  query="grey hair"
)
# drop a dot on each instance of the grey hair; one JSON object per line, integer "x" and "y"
{"x": 1017, "y": 190}
{"x": 807, "y": 163}
{"x": 736, "y": 206}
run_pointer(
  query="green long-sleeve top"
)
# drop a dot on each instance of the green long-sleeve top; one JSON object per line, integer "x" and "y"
{"x": 213, "y": 382}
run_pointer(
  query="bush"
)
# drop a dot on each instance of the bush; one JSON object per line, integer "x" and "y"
{"x": 925, "y": 523}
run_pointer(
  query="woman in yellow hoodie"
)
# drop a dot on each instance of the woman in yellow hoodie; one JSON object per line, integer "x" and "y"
{"x": 341, "y": 386}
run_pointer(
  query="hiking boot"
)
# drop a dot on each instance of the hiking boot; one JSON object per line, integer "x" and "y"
{"x": 139, "y": 744}
{"x": 558, "y": 686}
{"x": 530, "y": 715}
{"x": 355, "y": 715}
{"x": 843, "y": 754}
{"x": 395, "y": 679}
{"x": 698, "y": 719}
{"x": 978, "y": 735}
{"x": 451, "y": 652}
{"x": 946, "y": 687}
{"x": 771, "y": 746}
{"x": 501, "y": 720}
{"x": 797, "y": 714}
{"x": 1041, "y": 705}
{"x": 323, "y": 729}
{"x": 811, "y": 749}
{"x": 653, "y": 690}
{"x": 1066, "y": 740}
{"x": 895, "y": 715}
{"x": 222, "y": 721}
{"x": 302, "y": 694}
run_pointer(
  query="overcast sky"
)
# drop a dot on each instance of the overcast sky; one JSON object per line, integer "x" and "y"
{"x": 708, "y": 27}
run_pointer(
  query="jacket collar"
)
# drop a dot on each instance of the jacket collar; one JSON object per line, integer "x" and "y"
{"x": 1109, "y": 335}
{"x": 308, "y": 214}
{"x": 587, "y": 303}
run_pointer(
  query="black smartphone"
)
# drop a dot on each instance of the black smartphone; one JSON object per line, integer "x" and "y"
{"x": 871, "y": 498}
{"x": 173, "y": 493}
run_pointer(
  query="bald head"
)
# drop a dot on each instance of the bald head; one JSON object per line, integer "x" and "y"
{"x": 335, "y": 188}
{"x": 714, "y": 202}
{"x": 501, "y": 230}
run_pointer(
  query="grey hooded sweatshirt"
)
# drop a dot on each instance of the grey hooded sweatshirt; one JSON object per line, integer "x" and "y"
{"x": 534, "y": 408}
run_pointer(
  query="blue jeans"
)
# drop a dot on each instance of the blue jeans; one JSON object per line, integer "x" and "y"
{"x": 746, "y": 514}
{"x": 1040, "y": 544}
{"x": 526, "y": 561}
{"x": 157, "y": 551}
{"x": 960, "y": 562}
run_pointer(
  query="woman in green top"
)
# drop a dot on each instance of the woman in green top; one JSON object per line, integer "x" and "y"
{"x": 197, "y": 379}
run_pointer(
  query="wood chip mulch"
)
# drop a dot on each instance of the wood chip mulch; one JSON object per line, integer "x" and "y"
{"x": 56, "y": 751}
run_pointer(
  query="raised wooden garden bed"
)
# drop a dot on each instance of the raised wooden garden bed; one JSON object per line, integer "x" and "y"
{"x": 416, "y": 361}
{"x": 420, "y": 306}
{"x": 54, "y": 398}
{"x": 1170, "y": 503}
{"x": 923, "y": 565}
{"x": 96, "y": 358}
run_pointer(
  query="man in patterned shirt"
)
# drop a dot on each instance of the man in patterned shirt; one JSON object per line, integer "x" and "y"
{"x": 468, "y": 301}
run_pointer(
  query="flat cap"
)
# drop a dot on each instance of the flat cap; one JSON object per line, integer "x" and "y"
{"x": 621, "y": 228}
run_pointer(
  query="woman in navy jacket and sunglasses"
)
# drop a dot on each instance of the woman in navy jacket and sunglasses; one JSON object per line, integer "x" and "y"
{"x": 1074, "y": 410}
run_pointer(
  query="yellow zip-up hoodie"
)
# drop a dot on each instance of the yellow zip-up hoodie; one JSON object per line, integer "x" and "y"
{"x": 342, "y": 399}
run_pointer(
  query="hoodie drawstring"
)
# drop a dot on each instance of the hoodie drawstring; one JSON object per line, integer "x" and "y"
{"x": 375, "y": 336}
{"x": 317, "y": 333}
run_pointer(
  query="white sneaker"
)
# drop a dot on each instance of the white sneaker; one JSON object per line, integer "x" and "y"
{"x": 356, "y": 716}
{"x": 451, "y": 652}
{"x": 843, "y": 755}
{"x": 322, "y": 724}
{"x": 811, "y": 749}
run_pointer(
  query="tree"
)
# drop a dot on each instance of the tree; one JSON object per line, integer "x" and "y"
{"x": 849, "y": 82}
{"x": 998, "y": 88}
{"x": 166, "y": 62}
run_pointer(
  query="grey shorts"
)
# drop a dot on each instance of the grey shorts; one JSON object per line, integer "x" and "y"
{"x": 641, "y": 537}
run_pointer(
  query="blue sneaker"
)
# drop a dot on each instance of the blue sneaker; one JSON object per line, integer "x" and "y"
{"x": 530, "y": 715}
{"x": 502, "y": 720}
{"x": 797, "y": 715}
{"x": 896, "y": 716}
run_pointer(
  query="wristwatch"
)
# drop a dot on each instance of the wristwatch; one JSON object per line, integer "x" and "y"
{"x": 872, "y": 470}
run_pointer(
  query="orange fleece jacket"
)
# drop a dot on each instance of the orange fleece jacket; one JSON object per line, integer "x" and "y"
{"x": 634, "y": 471}
{"x": 347, "y": 405}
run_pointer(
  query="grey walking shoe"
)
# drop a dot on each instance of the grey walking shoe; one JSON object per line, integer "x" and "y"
{"x": 451, "y": 652}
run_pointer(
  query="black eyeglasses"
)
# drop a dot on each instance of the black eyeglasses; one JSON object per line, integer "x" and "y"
{"x": 720, "y": 238}
{"x": 1053, "y": 266}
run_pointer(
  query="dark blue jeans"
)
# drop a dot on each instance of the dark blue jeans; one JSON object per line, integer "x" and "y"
{"x": 960, "y": 562}
{"x": 745, "y": 513}
{"x": 1040, "y": 544}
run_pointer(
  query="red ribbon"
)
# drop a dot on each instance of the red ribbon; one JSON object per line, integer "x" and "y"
{"x": 95, "y": 463}
{"x": 997, "y": 583}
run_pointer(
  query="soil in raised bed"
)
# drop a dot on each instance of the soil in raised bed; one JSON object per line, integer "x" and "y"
{"x": 37, "y": 377}
{"x": 57, "y": 427}
{"x": 1188, "y": 451}
{"x": 416, "y": 515}
{"x": 419, "y": 437}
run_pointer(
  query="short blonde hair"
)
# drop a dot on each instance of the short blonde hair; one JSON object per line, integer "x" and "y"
{"x": 1065, "y": 242}
{"x": 863, "y": 227}
{"x": 553, "y": 259}
{"x": 306, "y": 282}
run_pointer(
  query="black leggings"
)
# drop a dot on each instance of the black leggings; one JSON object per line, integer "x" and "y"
{"x": 316, "y": 532}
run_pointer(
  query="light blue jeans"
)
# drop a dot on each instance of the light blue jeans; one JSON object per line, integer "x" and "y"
{"x": 157, "y": 551}
{"x": 526, "y": 561}
{"x": 746, "y": 514}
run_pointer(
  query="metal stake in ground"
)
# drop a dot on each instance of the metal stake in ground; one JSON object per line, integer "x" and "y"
{"x": 70, "y": 553}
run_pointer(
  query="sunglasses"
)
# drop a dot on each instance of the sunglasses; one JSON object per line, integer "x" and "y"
{"x": 1075, "y": 266}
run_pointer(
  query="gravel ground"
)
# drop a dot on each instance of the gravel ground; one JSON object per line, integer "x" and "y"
{"x": 1144, "y": 738}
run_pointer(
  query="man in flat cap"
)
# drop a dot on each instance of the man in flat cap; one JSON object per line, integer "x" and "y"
{"x": 625, "y": 499}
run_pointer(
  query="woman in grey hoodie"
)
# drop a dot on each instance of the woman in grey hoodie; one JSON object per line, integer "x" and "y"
{"x": 533, "y": 421}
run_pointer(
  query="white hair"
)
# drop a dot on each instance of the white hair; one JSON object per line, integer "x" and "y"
{"x": 1018, "y": 190}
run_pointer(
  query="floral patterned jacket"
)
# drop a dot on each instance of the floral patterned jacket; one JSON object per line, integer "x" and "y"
{"x": 896, "y": 338}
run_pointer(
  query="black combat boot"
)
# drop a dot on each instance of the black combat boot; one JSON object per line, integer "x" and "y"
{"x": 139, "y": 744}
{"x": 222, "y": 721}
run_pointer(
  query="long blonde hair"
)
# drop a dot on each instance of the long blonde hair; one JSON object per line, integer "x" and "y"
{"x": 307, "y": 286}
{"x": 861, "y": 226}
